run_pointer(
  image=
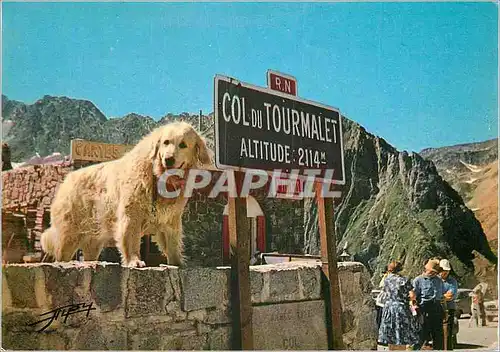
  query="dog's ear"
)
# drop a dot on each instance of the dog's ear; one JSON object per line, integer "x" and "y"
{"x": 155, "y": 146}
{"x": 202, "y": 151}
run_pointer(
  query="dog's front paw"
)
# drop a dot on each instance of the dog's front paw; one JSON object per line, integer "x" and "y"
{"x": 136, "y": 263}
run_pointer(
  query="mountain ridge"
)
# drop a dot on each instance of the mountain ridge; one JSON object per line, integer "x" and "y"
{"x": 472, "y": 170}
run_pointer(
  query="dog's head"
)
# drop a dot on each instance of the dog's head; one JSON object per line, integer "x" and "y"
{"x": 178, "y": 146}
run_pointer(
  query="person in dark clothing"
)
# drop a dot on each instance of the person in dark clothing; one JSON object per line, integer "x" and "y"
{"x": 6, "y": 164}
{"x": 450, "y": 294}
{"x": 428, "y": 289}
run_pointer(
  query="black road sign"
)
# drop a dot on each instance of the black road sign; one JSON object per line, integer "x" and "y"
{"x": 257, "y": 128}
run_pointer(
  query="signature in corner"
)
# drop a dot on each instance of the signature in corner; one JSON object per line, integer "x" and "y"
{"x": 63, "y": 312}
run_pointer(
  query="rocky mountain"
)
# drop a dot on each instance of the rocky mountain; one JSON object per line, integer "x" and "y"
{"x": 462, "y": 166}
{"x": 394, "y": 205}
{"x": 51, "y": 123}
{"x": 472, "y": 170}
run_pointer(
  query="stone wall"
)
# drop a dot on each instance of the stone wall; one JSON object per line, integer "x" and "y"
{"x": 15, "y": 240}
{"x": 31, "y": 186}
{"x": 202, "y": 225}
{"x": 29, "y": 192}
{"x": 171, "y": 308}
{"x": 202, "y": 222}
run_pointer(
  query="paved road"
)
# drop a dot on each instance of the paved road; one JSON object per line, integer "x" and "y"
{"x": 480, "y": 337}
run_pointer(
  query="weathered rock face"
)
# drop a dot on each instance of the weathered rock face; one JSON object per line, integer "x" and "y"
{"x": 472, "y": 170}
{"x": 462, "y": 165}
{"x": 50, "y": 123}
{"x": 396, "y": 206}
{"x": 167, "y": 308}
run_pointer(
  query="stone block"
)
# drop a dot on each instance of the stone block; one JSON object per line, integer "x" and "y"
{"x": 220, "y": 339}
{"x": 256, "y": 284}
{"x": 146, "y": 339}
{"x": 173, "y": 272}
{"x": 18, "y": 322}
{"x": 95, "y": 335}
{"x": 310, "y": 281}
{"x": 219, "y": 315}
{"x": 283, "y": 285}
{"x": 348, "y": 319}
{"x": 55, "y": 340}
{"x": 181, "y": 326}
{"x": 197, "y": 315}
{"x": 23, "y": 281}
{"x": 68, "y": 283}
{"x": 175, "y": 280}
{"x": 186, "y": 334}
{"x": 6, "y": 296}
{"x": 204, "y": 288}
{"x": 366, "y": 325}
{"x": 171, "y": 343}
{"x": 202, "y": 328}
{"x": 149, "y": 290}
{"x": 174, "y": 310}
{"x": 108, "y": 285}
{"x": 17, "y": 333}
{"x": 354, "y": 282}
{"x": 352, "y": 267}
{"x": 195, "y": 343}
{"x": 21, "y": 341}
{"x": 299, "y": 325}
{"x": 285, "y": 282}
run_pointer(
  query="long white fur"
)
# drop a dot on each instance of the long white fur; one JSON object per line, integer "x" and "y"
{"x": 113, "y": 200}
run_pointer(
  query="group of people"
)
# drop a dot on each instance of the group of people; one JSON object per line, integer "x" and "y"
{"x": 415, "y": 313}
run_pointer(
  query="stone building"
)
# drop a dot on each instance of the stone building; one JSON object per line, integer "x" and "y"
{"x": 26, "y": 197}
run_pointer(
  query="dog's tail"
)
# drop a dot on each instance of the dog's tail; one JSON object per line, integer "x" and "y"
{"x": 48, "y": 241}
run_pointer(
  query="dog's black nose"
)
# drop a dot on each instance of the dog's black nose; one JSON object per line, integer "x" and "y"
{"x": 170, "y": 161}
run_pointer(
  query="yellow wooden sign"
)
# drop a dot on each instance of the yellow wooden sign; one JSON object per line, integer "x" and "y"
{"x": 82, "y": 150}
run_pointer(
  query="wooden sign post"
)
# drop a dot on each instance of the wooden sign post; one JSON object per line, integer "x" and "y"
{"x": 272, "y": 129}
{"x": 331, "y": 289}
{"x": 239, "y": 239}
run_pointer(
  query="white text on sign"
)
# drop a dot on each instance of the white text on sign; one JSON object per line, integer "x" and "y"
{"x": 279, "y": 119}
{"x": 282, "y": 84}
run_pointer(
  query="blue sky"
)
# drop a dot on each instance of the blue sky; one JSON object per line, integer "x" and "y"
{"x": 417, "y": 74}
